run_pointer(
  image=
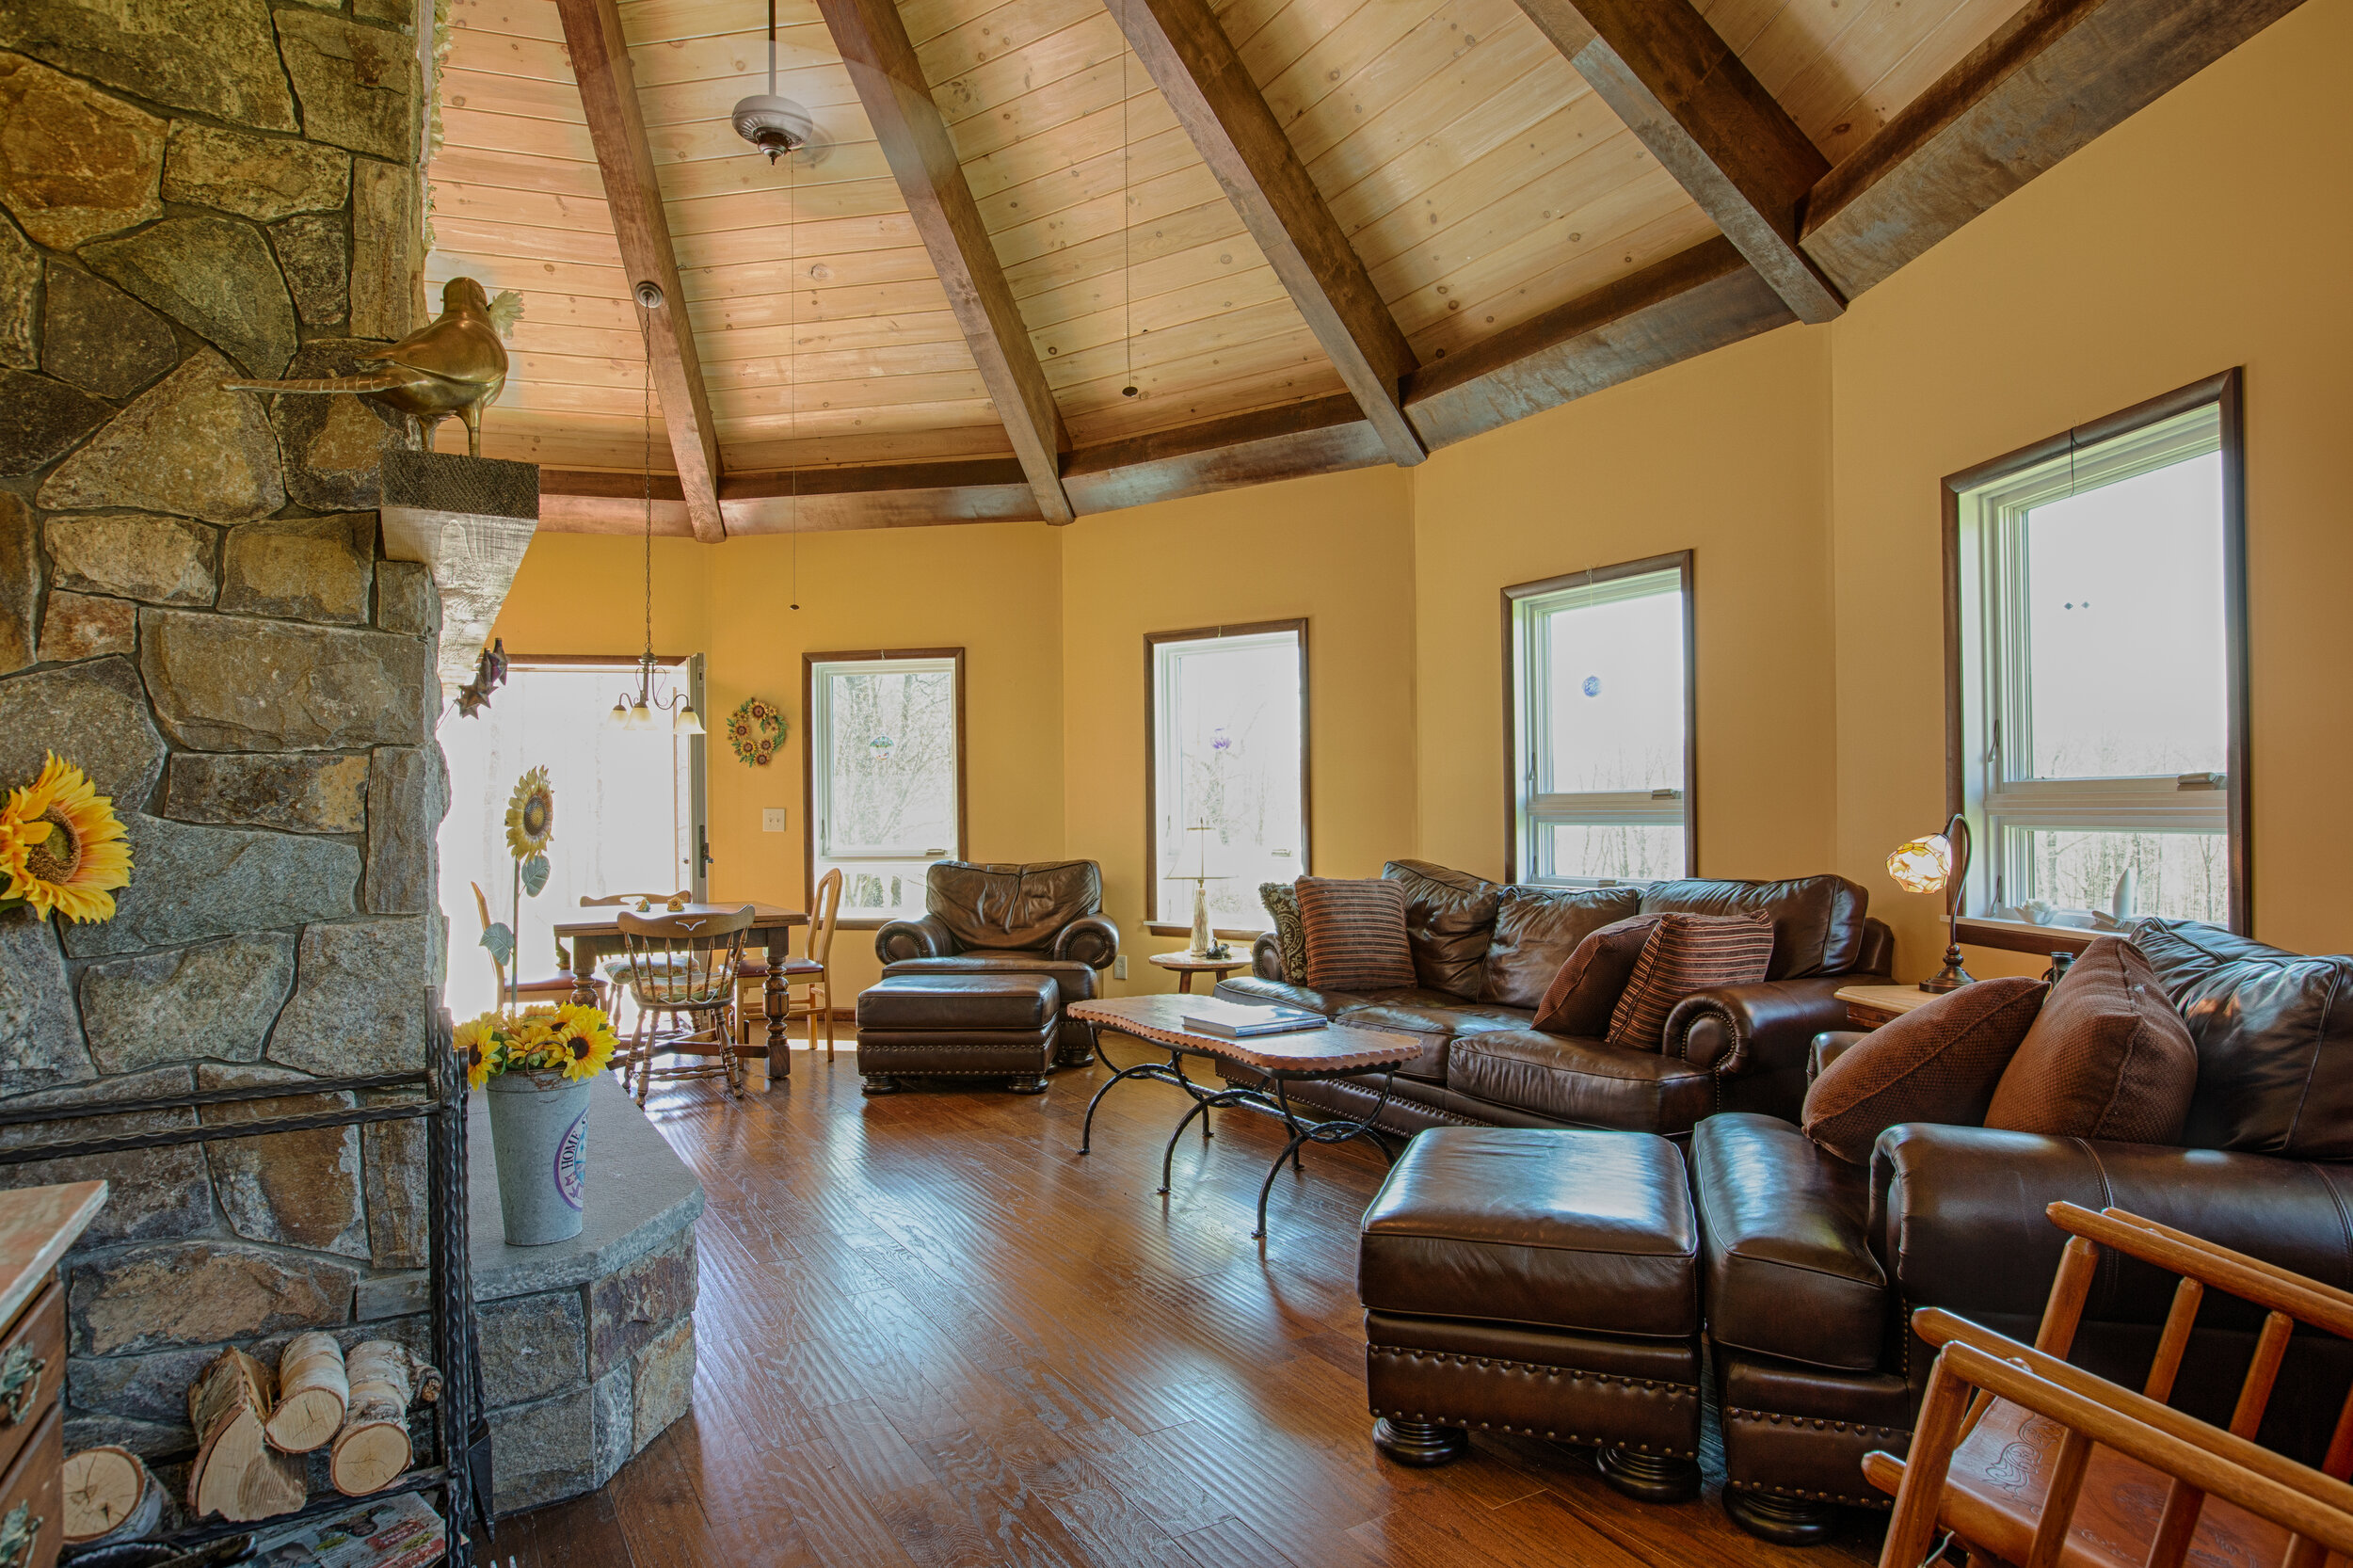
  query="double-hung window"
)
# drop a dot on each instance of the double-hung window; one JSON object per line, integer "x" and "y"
{"x": 1601, "y": 714}
{"x": 2098, "y": 656}
{"x": 885, "y": 774}
{"x": 1226, "y": 779}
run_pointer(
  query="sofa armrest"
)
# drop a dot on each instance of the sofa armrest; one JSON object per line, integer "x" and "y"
{"x": 1958, "y": 1215}
{"x": 1266, "y": 957}
{"x": 1737, "y": 1029}
{"x": 1090, "y": 939}
{"x": 1829, "y": 1047}
{"x": 928, "y": 937}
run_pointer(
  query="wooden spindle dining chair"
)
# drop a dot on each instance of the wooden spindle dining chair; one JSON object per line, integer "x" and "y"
{"x": 2093, "y": 1436}
{"x": 682, "y": 969}
{"x": 550, "y": 990}
{"x": 813, "y": 972}
{"x": 2008, "y": 1464}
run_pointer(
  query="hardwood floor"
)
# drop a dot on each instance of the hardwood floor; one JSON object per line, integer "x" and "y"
{"x": 932, "y": 1333}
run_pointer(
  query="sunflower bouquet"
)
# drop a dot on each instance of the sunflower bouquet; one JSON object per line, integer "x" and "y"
{"x": 577, "y": 1040}
{"x": 62, "y": 847}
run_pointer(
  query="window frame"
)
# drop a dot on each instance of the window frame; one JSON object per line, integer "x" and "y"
{"x": 1519, "y": 738}
{"x": 624, "y": 672}
{"x": 1968, "y": 616}
{"x": 810, "y": 662}
{"x": 1154, "y": 924}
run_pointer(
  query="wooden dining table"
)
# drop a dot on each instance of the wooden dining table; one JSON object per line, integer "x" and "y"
{"x": 596, "y": 935}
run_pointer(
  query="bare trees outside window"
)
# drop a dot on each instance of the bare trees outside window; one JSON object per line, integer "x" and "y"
{"x": 885, "y": 774}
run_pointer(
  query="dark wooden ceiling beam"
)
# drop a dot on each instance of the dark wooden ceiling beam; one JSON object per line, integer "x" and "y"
{"x": 616, "y": 128}
{"x": 1698, "y": 300}
{"x": 1186, "y": 53}
{"x": 2051, "y": 78}
{"x": 1709, "y": 122}
{"x": 915, "y": 141}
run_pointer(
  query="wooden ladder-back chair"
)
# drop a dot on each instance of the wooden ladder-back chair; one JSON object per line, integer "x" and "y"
{"x": 682, "y": 968}
{"x": 813, "y": 972}
{"x": 2266, "y": 1508}
{"x": 2007, "y": 1460}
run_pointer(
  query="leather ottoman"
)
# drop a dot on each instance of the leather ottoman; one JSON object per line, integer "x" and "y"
{"x": 1544, "y": 1280}
{"x": 957, "y": 1026}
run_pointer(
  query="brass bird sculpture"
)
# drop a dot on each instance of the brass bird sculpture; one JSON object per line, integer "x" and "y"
{"x": 453, "y": 365}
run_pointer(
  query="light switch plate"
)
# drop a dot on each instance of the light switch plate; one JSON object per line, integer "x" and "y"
{"x": 771, "y": 820}
{"x": 1119, "y": 968}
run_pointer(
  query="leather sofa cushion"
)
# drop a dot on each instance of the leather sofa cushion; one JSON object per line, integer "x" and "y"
{"x": 1585, "y": 991}
{"x": 1536, "y": 931}
{"x": 2274, "y": 1031}
{"x": 1938, "y": 1062}
{"x": 1011, "y": 905}
{"x": 1682, "y": 955}
{"x": 1449, "y": 921}
{"x": 1551, "y": 1226}
{"x": 1790, "y": 1271}
{"x": 1433, "y": 1017}
{"x": 965, "y": 1003}
{"x": 1257, "y": 991}
{"x": 1075, "y": 980}
{"x": 1818, "y": 920}
{"x": 2107, "y": 1057}
{"x": 1581, "y": 1082}
{"x": 1355, "y": 933}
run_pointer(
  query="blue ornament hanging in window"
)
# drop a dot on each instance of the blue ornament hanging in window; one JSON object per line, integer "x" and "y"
{"x": 1592, "y": 685}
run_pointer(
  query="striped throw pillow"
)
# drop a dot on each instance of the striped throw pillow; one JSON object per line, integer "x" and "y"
{"x": 1290, "y": 938}
{"x": 1687, "y": 954}
{"x": 1355, "y": 935}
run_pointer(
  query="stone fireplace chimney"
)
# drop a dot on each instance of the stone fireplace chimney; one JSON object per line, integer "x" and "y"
{"x": 195, "y": 607}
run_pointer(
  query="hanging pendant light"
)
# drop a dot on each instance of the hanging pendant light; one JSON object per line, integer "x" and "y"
{"x": 638, "y": 715}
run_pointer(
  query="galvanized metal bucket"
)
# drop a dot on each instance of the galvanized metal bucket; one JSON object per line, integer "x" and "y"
{"x": 539, "y": 1129}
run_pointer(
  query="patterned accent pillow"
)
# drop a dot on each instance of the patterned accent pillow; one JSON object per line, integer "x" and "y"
{"x": 1290, "y": 938}
{"x": 1355, "y": 935}
{"x": 2108, "y": 1057}
{"x": 1687, "y": 954}
{"x": 1585, "y": 991}
{"x": 1938, "y": 1062}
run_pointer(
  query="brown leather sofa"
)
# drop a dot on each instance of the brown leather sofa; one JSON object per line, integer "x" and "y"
{"x": 1813, "y": 1267}
{"x": 1485, "y": 953}
{"x": 1040, "y": 918}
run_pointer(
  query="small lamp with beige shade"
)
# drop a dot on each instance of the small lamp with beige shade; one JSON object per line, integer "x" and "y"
{"x": 1939, "y": 863}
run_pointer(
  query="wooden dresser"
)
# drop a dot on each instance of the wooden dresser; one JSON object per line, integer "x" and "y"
{"x": 36, "y": 1225}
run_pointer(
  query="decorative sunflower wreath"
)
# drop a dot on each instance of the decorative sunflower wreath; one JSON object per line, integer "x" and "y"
{"x": 755, "y": 729}
{"x": 579, "y": 1041}
{"x": 62, "y": 846}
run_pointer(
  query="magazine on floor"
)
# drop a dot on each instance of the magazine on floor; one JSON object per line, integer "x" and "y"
{"x": 401, "y": 1531}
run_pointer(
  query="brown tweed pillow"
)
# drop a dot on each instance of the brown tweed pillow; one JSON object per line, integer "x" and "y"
{"x": 1355, "y": 935}
{"x": 1685, "y": 954}
{"x": 1938, "y": 1062}
{"x": 2108, "y": 1058}
{"x": 1586, "y": 988}
{"x": 1290, "y": 938}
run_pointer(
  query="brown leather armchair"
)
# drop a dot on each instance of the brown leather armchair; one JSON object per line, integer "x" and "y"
{"x": 1812, "y": 1267}
{"x": 1039, "y": 918}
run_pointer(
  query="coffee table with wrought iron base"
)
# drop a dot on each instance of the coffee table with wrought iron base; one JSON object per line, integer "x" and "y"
{"x": 1334, "y": 1051}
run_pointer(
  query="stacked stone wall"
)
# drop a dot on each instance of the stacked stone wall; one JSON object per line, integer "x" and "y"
{"x": 194, "y": 606}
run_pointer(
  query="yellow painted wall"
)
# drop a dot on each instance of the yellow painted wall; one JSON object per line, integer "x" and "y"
{"x": 1723, "y": 457}
{"x": 2211, "y": 230}
{"x": 1337, "y": 550}
{"x": 1802, "y": 467}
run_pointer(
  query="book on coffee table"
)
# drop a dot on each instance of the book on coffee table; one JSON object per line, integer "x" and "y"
{"x": 1232, "y": 1021}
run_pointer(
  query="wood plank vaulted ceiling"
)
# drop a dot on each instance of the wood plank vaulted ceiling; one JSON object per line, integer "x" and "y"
{"x": 1312, "y": 235}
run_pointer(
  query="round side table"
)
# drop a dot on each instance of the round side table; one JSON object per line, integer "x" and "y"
{"x": 1186, "y": 966}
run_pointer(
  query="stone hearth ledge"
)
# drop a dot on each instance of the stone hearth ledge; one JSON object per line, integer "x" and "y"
{"x": 588, "y": 1345}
